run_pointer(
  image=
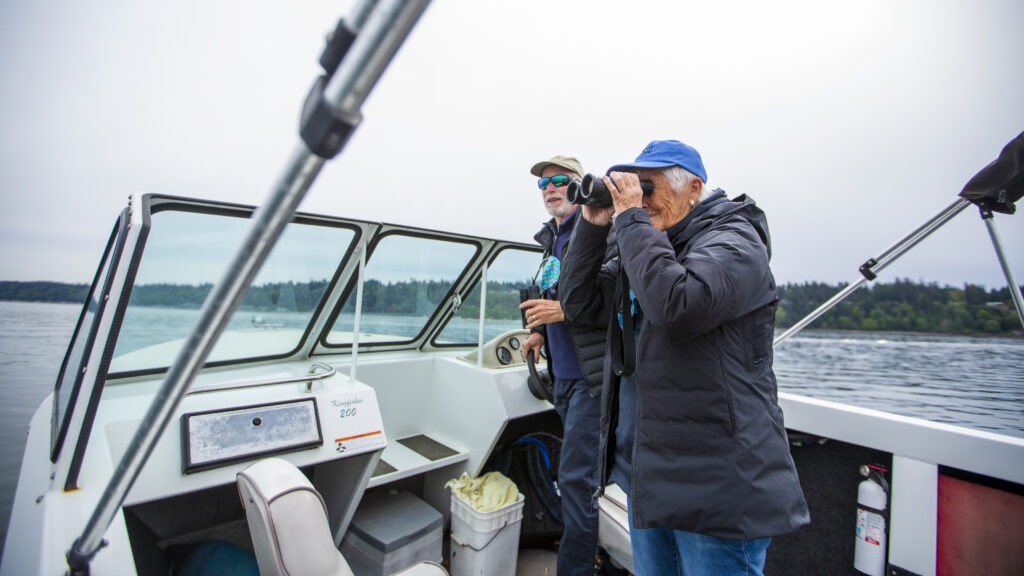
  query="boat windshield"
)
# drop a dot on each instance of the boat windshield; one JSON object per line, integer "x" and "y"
{"x": 410, "y": 277}
{"x": 186, "y": 254}
{"x": 412, "y": 282}
{"x": 509, "y": 272}
{"x": 406, "y": 280}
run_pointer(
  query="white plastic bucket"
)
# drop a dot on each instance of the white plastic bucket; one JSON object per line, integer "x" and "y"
{"x": 485, "y": 543}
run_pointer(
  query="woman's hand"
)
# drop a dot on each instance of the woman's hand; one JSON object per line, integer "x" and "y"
{"x": 598, "y": 215}
{"x": 625, "y": 191}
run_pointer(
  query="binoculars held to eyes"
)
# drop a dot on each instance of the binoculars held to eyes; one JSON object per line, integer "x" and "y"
{"x": 592, "y": 191}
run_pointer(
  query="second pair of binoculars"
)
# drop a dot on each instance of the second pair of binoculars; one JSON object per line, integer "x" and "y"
{"x": 592, "y": 191}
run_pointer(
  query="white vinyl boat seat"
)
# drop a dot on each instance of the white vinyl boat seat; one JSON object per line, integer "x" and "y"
{"x": 613, "y": 526}
{"x": 288, "y": 523}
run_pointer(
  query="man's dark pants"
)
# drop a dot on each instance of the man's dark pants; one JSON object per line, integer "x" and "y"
{"x": 577, "y": 475}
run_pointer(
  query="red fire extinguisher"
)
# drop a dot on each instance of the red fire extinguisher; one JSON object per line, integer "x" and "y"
{"x": 872, "y": 502}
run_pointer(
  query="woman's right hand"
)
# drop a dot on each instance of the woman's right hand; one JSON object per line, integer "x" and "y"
{"x": 598, "y": 215}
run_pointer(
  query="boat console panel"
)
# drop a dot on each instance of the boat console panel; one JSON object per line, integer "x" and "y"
{"x": 501, "y": 351}
{"x": 218, "y": 437}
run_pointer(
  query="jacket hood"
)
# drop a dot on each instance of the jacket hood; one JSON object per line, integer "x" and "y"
{"x": 714, "y": 209}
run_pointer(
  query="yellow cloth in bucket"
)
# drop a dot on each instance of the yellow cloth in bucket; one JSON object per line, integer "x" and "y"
{"x": 487, "y": 493}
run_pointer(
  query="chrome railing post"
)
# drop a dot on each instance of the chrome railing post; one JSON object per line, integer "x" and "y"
{"x": 1011, "y": 282}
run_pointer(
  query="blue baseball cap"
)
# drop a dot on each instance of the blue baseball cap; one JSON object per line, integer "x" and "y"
{"x": 665, "y": 153}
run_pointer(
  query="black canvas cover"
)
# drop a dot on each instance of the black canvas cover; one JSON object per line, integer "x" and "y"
{"x": 1001, "y": 183}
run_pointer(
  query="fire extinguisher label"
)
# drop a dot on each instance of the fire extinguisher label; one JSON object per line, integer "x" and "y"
{"x": 870, "y": 527}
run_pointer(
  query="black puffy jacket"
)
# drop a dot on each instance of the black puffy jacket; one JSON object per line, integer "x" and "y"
{"x": 711, "y": 453}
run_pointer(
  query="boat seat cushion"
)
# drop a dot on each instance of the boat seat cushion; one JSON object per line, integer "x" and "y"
{"x": 288, "y": 521}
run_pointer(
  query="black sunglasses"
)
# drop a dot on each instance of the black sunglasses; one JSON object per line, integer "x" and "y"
{"x": 559, "y": 181}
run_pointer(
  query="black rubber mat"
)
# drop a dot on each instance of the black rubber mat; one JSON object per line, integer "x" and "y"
{"x": 383, "y": 468}
{"x": 427, "y": 447}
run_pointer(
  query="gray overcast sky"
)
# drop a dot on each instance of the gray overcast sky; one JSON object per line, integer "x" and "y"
{"x": 849, "y": 123}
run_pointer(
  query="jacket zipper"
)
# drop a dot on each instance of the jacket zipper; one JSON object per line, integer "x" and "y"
{"x": 636, "y": 419}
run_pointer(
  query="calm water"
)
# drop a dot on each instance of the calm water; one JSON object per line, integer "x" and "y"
{"x": 975, "y": 382}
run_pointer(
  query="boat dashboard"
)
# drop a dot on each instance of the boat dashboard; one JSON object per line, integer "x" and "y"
{"x": 403, "y": 414}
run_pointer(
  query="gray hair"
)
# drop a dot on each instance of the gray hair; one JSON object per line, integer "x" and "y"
{"x": 679, "y": 178}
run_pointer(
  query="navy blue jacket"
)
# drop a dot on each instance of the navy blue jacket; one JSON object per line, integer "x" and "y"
{"x": 711, "y": 453}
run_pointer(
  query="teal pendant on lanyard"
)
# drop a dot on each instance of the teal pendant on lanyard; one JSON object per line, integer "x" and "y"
{"x": 549, "y": 272}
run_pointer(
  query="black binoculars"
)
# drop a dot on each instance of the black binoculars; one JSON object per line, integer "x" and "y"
{"x": 592, "y": 191}
{"x": 531, "y": 292}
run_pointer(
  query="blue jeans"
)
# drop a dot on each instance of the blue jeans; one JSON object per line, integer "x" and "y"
{"x": 577, "y": 475}
{"x": 664, "y": 552}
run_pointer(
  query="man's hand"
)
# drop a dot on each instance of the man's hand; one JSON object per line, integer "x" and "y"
{"x": 533, "y": 343}
{"x": 540, "y": 311}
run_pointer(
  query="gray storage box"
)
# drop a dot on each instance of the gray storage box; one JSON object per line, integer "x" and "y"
{"x": 391, "y": 531}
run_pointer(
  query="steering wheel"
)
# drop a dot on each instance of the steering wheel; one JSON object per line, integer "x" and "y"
{"x": 540, "y": 383}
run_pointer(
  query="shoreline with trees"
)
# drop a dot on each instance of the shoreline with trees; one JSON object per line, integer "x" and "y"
{"x": 898, "y": 306}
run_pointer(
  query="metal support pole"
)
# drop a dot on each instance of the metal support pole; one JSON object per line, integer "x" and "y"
{"x": 357, "y": 320}
{"x": 877, "y": 264}
{"x": 382, "y": 26}
{"x": 839, "y": 297}
{"x": 483, "y": 316}
{"x": 1018, "y": 302}
{"x": 268, "y": 221}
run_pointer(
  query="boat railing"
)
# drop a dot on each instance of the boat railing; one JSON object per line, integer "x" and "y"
{"x": 308, "y": 378}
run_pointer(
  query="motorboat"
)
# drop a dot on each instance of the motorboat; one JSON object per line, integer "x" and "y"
{"x": 220, "y": 339}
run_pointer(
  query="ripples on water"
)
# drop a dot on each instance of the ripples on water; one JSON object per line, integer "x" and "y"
{"x": 974, "y": 382}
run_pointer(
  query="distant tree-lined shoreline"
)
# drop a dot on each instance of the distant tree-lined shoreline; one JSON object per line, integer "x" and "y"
{"x": 901, "y": 306}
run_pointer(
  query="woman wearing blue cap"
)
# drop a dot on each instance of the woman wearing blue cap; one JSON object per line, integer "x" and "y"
{"x": 691, "y": 428}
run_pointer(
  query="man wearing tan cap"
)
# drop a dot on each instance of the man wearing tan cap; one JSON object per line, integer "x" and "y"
{"x": 575, "y": 359}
